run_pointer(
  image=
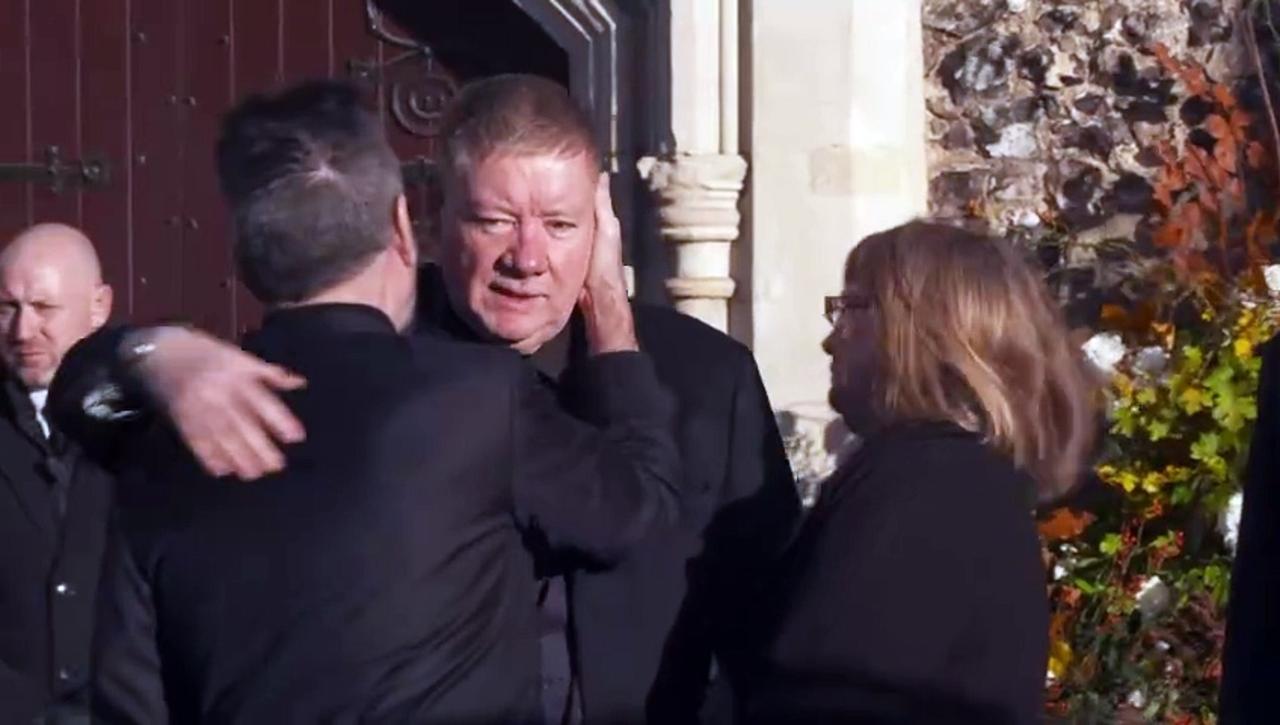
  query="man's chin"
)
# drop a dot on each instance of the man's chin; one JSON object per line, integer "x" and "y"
{"x": 513, "y": 332}
{"x": 35, "y": 379}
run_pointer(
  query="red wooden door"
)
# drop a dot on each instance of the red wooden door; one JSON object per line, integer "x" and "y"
{"x": 141, "y": 85}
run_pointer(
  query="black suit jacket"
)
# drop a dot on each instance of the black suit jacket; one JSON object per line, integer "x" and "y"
{"x": 644, "y": 633}
{"x": 381, "y": 577}
{"x": 678, "y": 605}
{"x": 1251, "y": 664}
{"x": 54, "y": 505}
{"x": 914, "y": 594}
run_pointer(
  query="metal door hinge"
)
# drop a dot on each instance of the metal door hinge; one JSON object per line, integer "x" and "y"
{"x": 57, "y": 174}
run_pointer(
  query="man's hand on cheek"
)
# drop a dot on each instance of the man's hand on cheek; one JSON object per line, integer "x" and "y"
{"x": 605, "y": 307}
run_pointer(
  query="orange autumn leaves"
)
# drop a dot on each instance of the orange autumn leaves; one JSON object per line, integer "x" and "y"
{"x": 1200, "y": 193}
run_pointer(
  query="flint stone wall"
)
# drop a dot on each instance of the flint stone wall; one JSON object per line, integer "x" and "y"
{"x": 1043, "y": 114}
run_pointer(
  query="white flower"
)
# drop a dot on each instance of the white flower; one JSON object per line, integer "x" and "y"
{"x": 1027, "y": 218}
{"x": 1162, "y": 645}
{"x": 1137, "y": 699}
{"x": 1229, "y": 520}
{"x": 1153, "y": 597}
{"x": 1151, "y": 360}
{"x": 1058, "y": 572}
{"x": 1105, "y": 350}
{"x": 1271, "y": 273}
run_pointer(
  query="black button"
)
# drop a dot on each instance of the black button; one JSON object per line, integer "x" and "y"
{"x": 68, "y": 674}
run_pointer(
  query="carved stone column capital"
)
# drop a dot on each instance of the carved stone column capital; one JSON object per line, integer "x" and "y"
{"x": 698, "y": 214}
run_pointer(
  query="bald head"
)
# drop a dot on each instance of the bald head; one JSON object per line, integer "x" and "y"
{"x": 51, "y": 296}
{"x": 58, "y": 245}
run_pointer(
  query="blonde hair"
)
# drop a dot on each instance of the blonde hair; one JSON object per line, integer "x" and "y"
{"x": 968, "y": 334}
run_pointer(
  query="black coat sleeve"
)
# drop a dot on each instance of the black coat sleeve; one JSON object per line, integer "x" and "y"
{"x": 94, "y": 401}
{"x": 756, "y": 513}
{"x": 1251, "y": 663}
{"x": 758, "y": 508}
{"x": 593, "y": 489}
{"x": 127, "y": 683}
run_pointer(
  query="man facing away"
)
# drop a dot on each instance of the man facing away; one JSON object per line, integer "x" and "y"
{"x": 54, "y": 502}
{"x": 382, "y": 575}
{"x": 519, "y": 169}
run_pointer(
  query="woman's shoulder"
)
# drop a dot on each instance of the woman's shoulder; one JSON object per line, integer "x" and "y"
{"x": 935, "y": 466}
{"x": 931, "y": 446}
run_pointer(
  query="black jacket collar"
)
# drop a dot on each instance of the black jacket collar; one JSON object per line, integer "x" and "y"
{"x": 327, "y": 319}
{"x": 16, "y": 406}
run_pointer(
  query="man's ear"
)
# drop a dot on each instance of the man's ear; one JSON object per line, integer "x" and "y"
{"x": 100, "y": 305}
{"x": 404, "y": 244}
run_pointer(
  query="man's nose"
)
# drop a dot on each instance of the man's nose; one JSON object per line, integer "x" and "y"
{"x": 24, "y": 324}
{"x": 528, "y": 253}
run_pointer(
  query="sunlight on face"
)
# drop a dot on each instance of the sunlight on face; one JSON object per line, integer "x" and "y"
{"x": 42, "y": 314}
{"x": 517, "y": 236}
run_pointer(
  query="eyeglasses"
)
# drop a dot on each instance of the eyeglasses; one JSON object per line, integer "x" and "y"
{"x": 834, "y": 307}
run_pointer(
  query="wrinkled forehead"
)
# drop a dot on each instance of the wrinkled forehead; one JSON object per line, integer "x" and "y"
{"x": 508, "y": 177}
{"x": 32, "y": 282}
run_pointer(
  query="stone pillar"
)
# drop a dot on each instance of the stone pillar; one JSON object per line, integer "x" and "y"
{"x": 698, "y": 213}
{"x": 699, "y": 184}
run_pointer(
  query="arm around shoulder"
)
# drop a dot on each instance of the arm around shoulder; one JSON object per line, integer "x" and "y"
{"x": 93, "y": 401}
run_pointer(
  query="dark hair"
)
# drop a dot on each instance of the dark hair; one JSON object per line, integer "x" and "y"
{"x": 312, "y": 184}
{"x": 519, "y": 113}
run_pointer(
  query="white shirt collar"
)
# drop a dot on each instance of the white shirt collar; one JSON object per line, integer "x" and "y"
{"x": 38, "y": 400}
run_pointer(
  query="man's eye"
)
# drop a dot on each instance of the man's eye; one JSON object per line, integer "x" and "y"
{"x": 561, "y": 227}
{"x": 493, "y": 225}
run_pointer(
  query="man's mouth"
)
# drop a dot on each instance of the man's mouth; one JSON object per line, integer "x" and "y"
{"x": 517, "y": 295}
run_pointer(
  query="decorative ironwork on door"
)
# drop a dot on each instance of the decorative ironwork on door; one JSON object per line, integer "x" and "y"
{"x": 417, "y": 88}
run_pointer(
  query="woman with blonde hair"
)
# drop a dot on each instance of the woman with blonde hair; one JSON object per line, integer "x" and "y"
{"x": 915, "y": 591}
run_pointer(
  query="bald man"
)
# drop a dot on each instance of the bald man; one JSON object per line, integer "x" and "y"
{"x": 53, "y": 503}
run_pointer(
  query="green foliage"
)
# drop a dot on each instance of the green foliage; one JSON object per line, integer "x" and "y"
{"x": 1141, "y": 583}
